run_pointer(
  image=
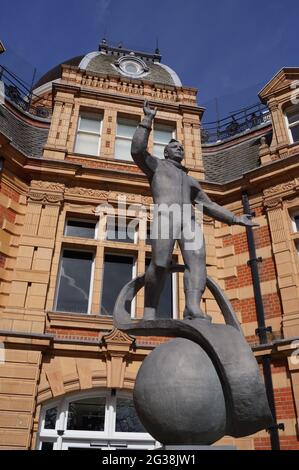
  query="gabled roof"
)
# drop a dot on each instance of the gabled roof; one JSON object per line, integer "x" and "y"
{"x": 280, "y": 82}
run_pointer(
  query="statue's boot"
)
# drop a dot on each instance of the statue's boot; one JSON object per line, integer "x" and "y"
{"x": 149, "y": 313}
{"x": 192, "y": 309}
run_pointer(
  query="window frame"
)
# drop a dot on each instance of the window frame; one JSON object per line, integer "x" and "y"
{"x": 81, "y": 219}
{"x": 71, "y": 436}
{"x": 293, "y": 124}
{"x": 124, "y": 138}
{"x": 294, "y": 214}
{"x": 128, "y": 220}
{"x": 91, "y": 285}
{"x": 172, "y": 125}
{"x": 98, "y": 113}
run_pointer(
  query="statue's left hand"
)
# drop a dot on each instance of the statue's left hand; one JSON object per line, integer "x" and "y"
{"x": 246, "y": 221}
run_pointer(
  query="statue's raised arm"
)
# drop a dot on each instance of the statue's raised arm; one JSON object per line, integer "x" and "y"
{"x": 140, "y": 155}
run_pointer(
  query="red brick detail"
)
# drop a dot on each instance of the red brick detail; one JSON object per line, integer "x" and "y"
{"x": 286, "y": 443}
{"x": 262, "y": 443}
{"x": 151, "y": 340}
{"x": 90, "y": 163}
{"x": 261, "y": 237}
{"x": 278, "y": 365}
{"x": 272, "y": 305}
{"x": 107, "y": 144}
{"x": 244, "y": 278}
{"x": 75, "y": 334}
{"x": 246, "y": 307}
{"x": 252, "y": 340}
{"x": 2, "y": 260}
{"x": 267, "y": 270}
{"x": 7, "y": 214}
{"x": 284, "y": 403}
{"x": 14, "y": 195}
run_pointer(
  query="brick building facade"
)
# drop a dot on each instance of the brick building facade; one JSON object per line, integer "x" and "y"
{"x": 66, "y": 375}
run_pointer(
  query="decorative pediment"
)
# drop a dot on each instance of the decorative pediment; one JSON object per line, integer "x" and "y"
{"x": 280, "y": 82}
{"x": 116, "y": 336}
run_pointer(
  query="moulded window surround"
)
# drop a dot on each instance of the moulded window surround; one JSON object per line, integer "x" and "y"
{"x": 124, "y": 133}
{"x": 88, "y": 138}
{"x": 74, "y": 282}
{"x": 118, "y": 269}
{"x": 162, "y": 134}
{"x": 118, "y": 423}
{"x": 292, "y": 121}
{"x": 81, "y": 228}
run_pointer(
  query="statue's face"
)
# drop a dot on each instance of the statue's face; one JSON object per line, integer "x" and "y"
{"x": 174, "y": 151}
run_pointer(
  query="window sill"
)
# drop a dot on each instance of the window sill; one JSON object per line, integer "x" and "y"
{"x": 79, "y": 320}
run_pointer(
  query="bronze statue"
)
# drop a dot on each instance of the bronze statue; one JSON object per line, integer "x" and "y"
{"x": 170, "y": 185}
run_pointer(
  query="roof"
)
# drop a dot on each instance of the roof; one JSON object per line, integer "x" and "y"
{"x": 105, "y": 60}
{"x": 27, "y": 138}
{"x": 224, "y": 165}
{"x": 55, "y": 72}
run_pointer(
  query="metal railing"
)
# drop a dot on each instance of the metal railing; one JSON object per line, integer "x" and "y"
{"x": 238, "y": 122}
{"x": 17, "y": 91}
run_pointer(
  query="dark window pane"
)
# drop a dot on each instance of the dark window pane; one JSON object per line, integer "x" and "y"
{"x": 148, "y": 240}
{"x": 126, "y": 417}
{"x": 87, "y": 414}
{"x": 295, "y": 133}
{"x": 293, "y": 115}
{"x": 47, "y": 445}
{"x": 50, "y": 418}
{"x": 296, "y": 219}
{"x": 120, "y": 230}
{"x": 75, "y": 272}
{"x": 165, "y": 307}
{"x": 117, "y": 272}
{"x": 80, "y": 228}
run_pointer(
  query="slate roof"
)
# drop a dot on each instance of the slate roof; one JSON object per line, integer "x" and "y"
{"x": 55, "y": 72}
{"x": 25, "y": 137}
{"x": 103, "y": 63}
{"x": 231, "y": 163}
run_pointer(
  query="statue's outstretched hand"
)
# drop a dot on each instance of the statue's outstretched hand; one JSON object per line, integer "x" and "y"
{"x": 151, "y": 113}
{"x": 246, "y": 221}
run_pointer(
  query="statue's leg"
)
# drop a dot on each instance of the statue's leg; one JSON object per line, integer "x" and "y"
{"x": 155, "y": 275}
{"x": 195, "y": 276}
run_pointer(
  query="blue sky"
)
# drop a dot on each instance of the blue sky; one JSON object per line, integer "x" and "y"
{"x": 227, "y": 49}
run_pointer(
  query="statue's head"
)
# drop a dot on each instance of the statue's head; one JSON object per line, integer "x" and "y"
{"x": 174, "y": 151}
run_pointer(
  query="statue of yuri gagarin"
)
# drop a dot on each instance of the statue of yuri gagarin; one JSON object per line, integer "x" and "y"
{"x": 172, "y": 186}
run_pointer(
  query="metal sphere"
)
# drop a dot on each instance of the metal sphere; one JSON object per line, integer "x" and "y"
{"x": 178, "y": 395}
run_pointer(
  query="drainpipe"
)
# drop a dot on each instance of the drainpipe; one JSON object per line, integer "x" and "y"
{"x": 262, "y": 329}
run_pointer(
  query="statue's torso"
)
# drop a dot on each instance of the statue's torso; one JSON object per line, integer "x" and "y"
{"x": 170, "y": 185}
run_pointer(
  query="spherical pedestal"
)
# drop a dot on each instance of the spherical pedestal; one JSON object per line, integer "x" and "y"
{"x": 178, "y": 395}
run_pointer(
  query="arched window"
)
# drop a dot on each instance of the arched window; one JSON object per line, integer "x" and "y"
{"x": 92, "y": 420}
{"x": 292, "y": 117}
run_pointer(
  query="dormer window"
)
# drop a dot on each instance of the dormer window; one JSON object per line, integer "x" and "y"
{"x": 292, "y": 116}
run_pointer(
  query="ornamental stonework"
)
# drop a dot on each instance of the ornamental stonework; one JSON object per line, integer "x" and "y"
{"x": 280, "y": 188}
{"x": 47, "y": 185}
{"x": 44, "y": 198}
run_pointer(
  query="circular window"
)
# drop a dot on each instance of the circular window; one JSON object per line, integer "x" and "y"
{"x": 133, "y": 67}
